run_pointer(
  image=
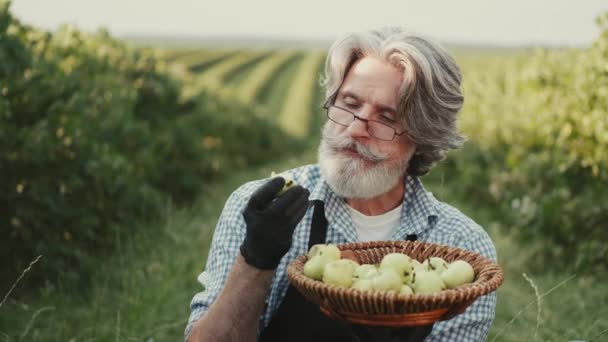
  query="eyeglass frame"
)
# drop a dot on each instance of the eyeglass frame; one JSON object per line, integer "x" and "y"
{"x": 356, "y": 117}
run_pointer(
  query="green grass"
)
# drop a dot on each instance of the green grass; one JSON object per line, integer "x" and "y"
{"x": 179, "y": 54}
{"x": 144, "y": 290}
{"x": 237, "y": 74}
{"x": 563, "y": 306}
{"x": 274, "y": 94}
{"x": 200, "y": 61}
{"x": 251, "y": 82}
{"x": 222, "y": 72}
{"x": 295, "y": 114}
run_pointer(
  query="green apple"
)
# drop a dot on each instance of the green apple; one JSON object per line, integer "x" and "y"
{"x": 458, "y": 273}
{"x": 339, "y": 272}
{"x": 416, "y": 264}
{"x": 289, "y": 182}
{"x": 437, "y": 264}
{"x": 387, "y": 280}
{"x": 405, "y": 289}
{"x": 314, "y": 250}
{"x": 329, "y": 251}
{"x": 353, "y": 263}
{"x": 363, "y": 285}
{"x": 427, "y": 282}
{"x": 365, "y": 271}
{"x": 314, "y": 267}
{"x": 400, "y": 263}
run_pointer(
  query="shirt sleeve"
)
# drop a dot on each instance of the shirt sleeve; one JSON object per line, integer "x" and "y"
{"x": 474, "y": 324}
{"x": 227, "y": 238}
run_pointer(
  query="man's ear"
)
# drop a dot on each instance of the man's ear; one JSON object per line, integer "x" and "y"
{"x": 416, "y": 150}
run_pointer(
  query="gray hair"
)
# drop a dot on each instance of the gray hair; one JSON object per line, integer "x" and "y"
{"x": 431, "y": 94}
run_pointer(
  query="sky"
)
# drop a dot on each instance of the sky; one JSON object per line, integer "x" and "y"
{"x": 505, "y": 22}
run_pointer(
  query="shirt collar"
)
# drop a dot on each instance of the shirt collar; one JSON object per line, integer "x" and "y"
{"x": 419, "y": 209}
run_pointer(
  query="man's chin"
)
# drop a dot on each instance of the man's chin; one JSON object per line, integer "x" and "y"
{"x": 345, "y": 177}
{"x": 355, "y": 189}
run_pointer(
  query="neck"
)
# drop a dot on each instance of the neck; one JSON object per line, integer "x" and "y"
{"x": 380, "y": 204}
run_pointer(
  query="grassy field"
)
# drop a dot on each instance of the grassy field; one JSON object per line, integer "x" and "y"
{"x": 274, "y": 93}
{"x": 142, "y": 293}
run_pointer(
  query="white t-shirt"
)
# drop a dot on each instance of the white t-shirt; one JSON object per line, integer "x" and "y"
{"x": 378, "y": 227}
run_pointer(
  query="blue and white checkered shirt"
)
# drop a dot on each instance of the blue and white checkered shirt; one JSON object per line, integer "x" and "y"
{"x": 422, "y": 214}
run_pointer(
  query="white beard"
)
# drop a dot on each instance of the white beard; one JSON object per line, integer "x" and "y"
{"x": 351, "y": 177}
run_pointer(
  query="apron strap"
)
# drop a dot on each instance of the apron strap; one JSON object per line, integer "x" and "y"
{"x": 318, "y": 226}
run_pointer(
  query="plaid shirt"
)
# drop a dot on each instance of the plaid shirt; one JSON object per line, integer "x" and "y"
{"x": 422, "y": 214}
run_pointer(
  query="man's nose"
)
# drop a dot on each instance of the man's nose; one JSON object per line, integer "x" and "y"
{"x": 358, "y": 128}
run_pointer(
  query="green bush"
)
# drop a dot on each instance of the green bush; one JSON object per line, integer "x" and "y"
{"x": 96, "y": 135}
{"x": 538, "y": 123}
{"x": 229, "y": 136}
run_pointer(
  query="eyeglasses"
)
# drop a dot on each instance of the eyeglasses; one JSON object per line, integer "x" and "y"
{"x": 376, "y": 129}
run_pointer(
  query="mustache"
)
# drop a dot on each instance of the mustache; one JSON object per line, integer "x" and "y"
{"x": 340, "y": 143}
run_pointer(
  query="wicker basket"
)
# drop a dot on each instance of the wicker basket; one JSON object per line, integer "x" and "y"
{"x": 390, "y": 308}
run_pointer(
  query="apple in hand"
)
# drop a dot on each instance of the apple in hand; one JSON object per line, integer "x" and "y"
{"x": 458, "y": 273}
{"x": 400, "y": 263}
{"x": 289, "y": 182}
{"x": 427, "y": 282}
{"x": 339, "y": 272}
{"x": 386, "y": 280}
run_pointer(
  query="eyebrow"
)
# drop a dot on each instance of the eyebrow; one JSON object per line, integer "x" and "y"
{"x": 346, "y": 93}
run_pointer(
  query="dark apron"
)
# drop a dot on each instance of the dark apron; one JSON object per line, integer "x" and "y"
{"x": 297, "y": 319}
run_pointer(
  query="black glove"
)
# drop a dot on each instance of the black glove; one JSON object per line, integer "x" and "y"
{"x": 271, "y": 222}
{"x": 365, "y": 333}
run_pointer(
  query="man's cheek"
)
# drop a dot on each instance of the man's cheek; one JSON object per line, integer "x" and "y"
{"x": 335, "y": 129}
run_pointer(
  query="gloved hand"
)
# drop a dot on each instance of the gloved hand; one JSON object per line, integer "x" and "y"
{"x": 271, "y": 222}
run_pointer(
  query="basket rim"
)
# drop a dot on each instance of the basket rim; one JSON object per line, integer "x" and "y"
{"x": 489, "y": 276}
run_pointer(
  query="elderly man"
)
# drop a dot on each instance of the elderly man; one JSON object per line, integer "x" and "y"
{"x": 392, "y": 99}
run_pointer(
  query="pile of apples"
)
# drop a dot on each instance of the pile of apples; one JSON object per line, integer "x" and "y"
{"x": 396, "y": 272}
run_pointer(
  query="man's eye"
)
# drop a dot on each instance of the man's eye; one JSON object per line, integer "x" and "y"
{"x": 352, "y": 105}
{"x": 387, "y": 119}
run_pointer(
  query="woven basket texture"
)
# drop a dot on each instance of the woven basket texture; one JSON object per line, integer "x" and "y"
{"x": 391, "y": 308}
